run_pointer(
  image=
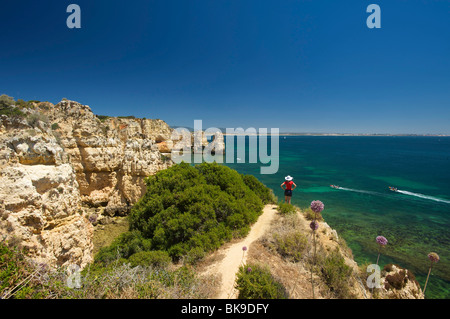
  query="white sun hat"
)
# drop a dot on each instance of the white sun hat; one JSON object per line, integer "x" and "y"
{"x": 289, "y": 178}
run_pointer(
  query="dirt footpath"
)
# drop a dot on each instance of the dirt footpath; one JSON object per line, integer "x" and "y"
{"x": 234, "y": 256}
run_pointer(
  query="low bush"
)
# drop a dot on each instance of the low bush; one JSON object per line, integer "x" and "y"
{"x": 335, "y": 272}
{"x": 12, "y": 112}
{"x": 20, "y": 279}
{"x": 285, "y": 208}
{"x": 34, "y": 118}
{"x": 256, "y": 282}
{"x": 291, "y": 245}
{"x": 16, "y": 275}
{"x": 126, "y": 245}
{"x": 155, "y": 258}
{"x": 6, "y": 101}
{"x": 21, "y": 103}
{"x": 103, "y": 118}
{"x": 310, "y": 215}
{"x": 263, "y": 192}
{"x": 188, "y": 211}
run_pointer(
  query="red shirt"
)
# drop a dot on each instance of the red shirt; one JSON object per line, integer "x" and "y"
{"x": 288, "y": 184}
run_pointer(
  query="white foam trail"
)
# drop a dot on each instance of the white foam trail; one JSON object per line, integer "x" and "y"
{"x": 374, "y": 193}
{"x": 358, "y": 191}
{"x": 424, "y": 196}
{"x": 398, "y": 191}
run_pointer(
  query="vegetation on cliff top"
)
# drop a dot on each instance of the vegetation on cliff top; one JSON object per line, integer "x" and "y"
{"x": 21, "y": 279}
{"x": 255, "y": 281}
{"x": 188, "y": 211}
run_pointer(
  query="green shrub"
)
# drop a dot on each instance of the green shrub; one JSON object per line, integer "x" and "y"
{"x": 11, "y": 108}
{"x": 6, "y": 101}
{"x": 291, "y": 245}
{"x": 335, "y": 273}
{"x": 21, "y": 103}
{"x": 165, "y": 158}
{"x": 35, "y": 118}
{"x": 256, "y": 282}
{"x": 126, "y": 245}
{"x": 103, "y": 117}
{"x": 310, "y": 215}
{"x": 11, "y": 270}
{"x": 259, "y": 189}
{"x": 117, "y": 280}
{"x": 55, "y": 126}
{"x": 194, "y": 255}
{"x": 286, "y": 208}
{"x": 12, "y": 112}
{"x": 16, "y": 274}
{"x": 155, "y": 258}
{"x": 188, "y": 211}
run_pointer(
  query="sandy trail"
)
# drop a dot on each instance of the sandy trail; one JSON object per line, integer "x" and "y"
{"x": 234, "y": 254}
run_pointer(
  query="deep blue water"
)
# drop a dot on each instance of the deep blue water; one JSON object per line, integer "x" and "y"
{"x": 415, "y": 222}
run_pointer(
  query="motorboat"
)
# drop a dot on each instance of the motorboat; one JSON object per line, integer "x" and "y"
{"x": 394, "y": 189}
{"x": 334, "y": 186}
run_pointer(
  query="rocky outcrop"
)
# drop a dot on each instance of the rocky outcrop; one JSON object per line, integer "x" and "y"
{"x": 58, "y": 160}
{"x": 399, "y": 283}
{"x": 40, "y": 200}
{"x": 111, "y": 158}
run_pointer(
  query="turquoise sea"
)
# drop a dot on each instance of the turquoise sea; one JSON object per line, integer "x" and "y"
{"x": 415, "y": 220}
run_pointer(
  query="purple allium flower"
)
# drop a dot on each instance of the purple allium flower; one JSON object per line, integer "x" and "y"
{"x": 249, "y": 269}
{"x": 433, "y": 257}
{"x": 317, "y": 206}
{"x": 244, "y": 248}
{"x": 382, "y": 240}
{"x": 314, "y": 225}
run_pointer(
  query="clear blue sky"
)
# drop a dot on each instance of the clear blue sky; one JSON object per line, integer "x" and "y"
{"x": 302, "y": 66}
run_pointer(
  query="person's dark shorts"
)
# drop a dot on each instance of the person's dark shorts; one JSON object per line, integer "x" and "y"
{"x": 288, "y": 192}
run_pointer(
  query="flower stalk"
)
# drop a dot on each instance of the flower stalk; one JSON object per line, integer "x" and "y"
{"x": 316, "y": 206}
{"x": 434, "y": 258}
{"x": 382, "y": 242}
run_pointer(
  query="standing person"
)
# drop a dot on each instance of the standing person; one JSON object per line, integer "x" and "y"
{"x": 288, "y": 190}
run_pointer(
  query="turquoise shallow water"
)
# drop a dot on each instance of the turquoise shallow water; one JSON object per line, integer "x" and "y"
{"x": 415, "y": 222}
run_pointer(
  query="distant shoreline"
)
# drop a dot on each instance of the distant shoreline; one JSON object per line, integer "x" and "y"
{"x": 223, "y": 131}
{"x": 349, "y": 134}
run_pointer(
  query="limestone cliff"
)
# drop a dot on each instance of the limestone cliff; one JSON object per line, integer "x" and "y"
{"x": 56, "y": 160}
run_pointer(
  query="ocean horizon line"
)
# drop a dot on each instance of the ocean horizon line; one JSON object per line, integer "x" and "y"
{"x": 343, "y": 134}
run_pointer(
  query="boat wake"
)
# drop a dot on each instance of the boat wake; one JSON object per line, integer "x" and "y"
{"x": 423, "y": 196}
{"x": 358, "y": 191}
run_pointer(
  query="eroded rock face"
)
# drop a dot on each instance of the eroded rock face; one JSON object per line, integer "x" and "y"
{"x": 110, "y": 158}
{"x": 40, "y": 207}
{"x": 399, "y": 283}
{"x": 63, "y": 157}
{"x": 60, "y": 158}
{"x": 39, "y": 195}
